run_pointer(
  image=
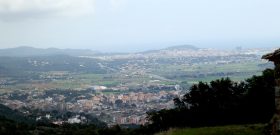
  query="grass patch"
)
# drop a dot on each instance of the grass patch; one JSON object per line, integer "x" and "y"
{"x": 257, "y": 129}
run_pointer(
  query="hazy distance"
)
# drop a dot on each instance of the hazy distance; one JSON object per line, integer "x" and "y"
{"x": 139, "y": 25}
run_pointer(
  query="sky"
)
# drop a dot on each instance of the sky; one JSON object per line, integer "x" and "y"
{"x": 138, "y": 25}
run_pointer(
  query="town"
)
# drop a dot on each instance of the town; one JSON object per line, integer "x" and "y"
{"x": 127, "y": 108}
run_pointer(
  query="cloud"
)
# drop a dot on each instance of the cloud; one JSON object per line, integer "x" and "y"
{"x": 16, "y": 9}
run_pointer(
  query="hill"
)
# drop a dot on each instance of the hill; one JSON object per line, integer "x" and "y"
{"x": 172, "y": 48}
{"x": 25, "y": 51}
{"x": 223, "y": 130}
{"x": 182, "y": 47}
{"x": 7, "y": 113}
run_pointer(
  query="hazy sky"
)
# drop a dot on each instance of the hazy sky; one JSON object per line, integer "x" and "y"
{"x": 137, "y": 25}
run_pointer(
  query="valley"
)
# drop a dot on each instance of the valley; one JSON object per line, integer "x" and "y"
{"x": 116, "y": 88}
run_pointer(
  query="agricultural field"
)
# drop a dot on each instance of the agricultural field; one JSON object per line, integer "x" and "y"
{"x": 132, "y": 71}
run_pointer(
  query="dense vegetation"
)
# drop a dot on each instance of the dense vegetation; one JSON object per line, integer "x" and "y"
{"x": 14, "y": 115}
{"x": 257, "y": 129}
{"x": 220, "y": 102}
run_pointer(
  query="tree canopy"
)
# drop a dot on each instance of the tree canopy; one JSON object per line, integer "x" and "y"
{"x": 221, "y": 102}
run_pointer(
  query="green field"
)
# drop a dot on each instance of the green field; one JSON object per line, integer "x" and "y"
{"x": 208, "y": 72}
{"x": 257, "y": 129}
{"x": 163, "y": 74}
{"x": 249, "y": 66}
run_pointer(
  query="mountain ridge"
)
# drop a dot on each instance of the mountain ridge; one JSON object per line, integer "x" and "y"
{"x": 173, "y": 48}
{"x": 182, "y": 47}
{"x": 26, "y": 51}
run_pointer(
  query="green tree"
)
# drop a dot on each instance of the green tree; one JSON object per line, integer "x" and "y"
{"x": 260, "y": 97}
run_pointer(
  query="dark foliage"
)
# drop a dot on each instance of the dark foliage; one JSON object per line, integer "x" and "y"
{"x": 10, "y": 127}
{"x": 14, "y": 115}
{"x": 220, "y": 102}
